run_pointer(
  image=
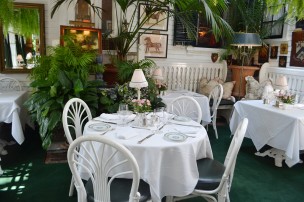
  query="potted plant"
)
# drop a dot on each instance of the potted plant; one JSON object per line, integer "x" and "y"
{"x": 56, "y": 78}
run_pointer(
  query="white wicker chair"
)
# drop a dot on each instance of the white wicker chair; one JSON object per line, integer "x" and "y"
{"x": 76, "y": 114}
{"x": 9, "y": 84}
{"x": 215, "y": 98}
{"x": 186, "y": 106}
{"x": 215, "y": 178}
{"x": 103, "y": 159}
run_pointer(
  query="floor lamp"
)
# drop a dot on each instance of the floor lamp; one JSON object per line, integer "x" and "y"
{"x": 245, "y": 42}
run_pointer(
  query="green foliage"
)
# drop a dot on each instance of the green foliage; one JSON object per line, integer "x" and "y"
{"x": 294, "y": 8}
{"x": 112, "y": 97}
{"x": 7, "y": 13}
{"x": 57, "y": 78}
{"x": 126, "y": 68}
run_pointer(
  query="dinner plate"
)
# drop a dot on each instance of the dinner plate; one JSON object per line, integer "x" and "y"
{"x": 181, "y": 118}
{"x": 100, "y": 126}
{"x": 175, "y": 137}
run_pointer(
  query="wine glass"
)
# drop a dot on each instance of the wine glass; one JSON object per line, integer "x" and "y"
{"x": 123, "y": 112}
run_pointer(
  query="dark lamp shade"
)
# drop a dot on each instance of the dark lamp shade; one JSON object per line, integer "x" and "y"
{"x": 246, "y": 39}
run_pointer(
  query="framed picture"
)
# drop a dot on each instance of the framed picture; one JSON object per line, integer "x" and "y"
{"x": 264, "y": 54}
{"x": 274, "y": 52}
{"x": 282, "y": 61}
{"x": 157, "y": 21}
{"x": 156, "y": 45}
{"x": 284, "y": 48}
{"x": 297, "y": 49}
{"x": 88, "y": 38}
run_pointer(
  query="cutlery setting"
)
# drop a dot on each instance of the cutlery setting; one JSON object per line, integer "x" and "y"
{"x": 147, "y": 137}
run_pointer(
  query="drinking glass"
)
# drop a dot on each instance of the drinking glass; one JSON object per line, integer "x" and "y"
{"x": 123, "y": 112}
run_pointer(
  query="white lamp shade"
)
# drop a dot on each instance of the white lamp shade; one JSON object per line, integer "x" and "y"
{"x": 281, "y": 83}
{"x": 158, "y": 74}
{"x": 138, "y": 79}
{"x": 29, "y": 56}
{"x": 19, "y": 58}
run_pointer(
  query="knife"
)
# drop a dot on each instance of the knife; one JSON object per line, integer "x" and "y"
{"x": 140, "y": 141}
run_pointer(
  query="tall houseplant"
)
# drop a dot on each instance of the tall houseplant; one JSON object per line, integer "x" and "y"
{"x": 57, "y": 78}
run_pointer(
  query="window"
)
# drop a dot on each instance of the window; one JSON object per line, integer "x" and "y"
{"x": 274, "y": 24}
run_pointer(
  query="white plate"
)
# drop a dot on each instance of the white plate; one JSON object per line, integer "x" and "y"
{"x": 181, "y": 118}
{"x": 100, "y": 126}
{"x": 175, "y": 137}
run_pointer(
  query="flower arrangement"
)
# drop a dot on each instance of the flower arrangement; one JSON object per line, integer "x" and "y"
{"x": 286, "y": 98}
{"x": 161, "y": 86}
{"x": 141, "y": 106}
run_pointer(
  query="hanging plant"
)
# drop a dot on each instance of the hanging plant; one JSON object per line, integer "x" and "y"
{"x": 26, "y": 22}
{"x": 7, "y": 14}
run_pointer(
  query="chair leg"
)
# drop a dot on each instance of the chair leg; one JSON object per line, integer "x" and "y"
{"x": 214, "y": 127}
{"x": 71, "y": 191}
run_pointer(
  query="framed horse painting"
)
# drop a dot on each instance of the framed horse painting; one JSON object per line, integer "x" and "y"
{"x": 153, "y": 18}
{"x": 155, "y": 45}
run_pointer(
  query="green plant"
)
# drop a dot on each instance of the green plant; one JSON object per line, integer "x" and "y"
{"x": 294, "y": 8}
{"x": 7, "y": 13}
{"x": 246, "y": 16}
{"x": 57, "y": 78}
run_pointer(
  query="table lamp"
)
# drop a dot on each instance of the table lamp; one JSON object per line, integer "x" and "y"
{"x": 243, "y": 40}
{"x": 19, "y": 59}
{"x": 138, "y": 81}
{"x": 158, "y": 75}
{"x": 281, "y": 83}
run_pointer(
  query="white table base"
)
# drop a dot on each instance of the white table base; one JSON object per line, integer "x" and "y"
{"x": 278, "y": 155}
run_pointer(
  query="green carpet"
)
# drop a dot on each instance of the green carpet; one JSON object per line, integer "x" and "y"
{"x": 27, "y": 178}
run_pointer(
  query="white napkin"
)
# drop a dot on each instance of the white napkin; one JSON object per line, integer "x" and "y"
{"x": 109, "y": 116}
{"x": 113, "y": 118}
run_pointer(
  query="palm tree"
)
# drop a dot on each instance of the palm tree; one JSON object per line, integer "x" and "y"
{"x": 294, "y": 8}
{"x": 129, "y": 29}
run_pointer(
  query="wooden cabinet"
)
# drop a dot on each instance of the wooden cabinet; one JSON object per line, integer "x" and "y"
{"x": 238, "y": 75}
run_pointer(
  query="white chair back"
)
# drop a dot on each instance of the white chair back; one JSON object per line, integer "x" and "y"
{"x": 9, "y": 84}
{"x": 232, "y": 153}
{"x": 75, "y": 115}
{"x": 84, "y": 155}
{"x": 186, "y": 106}
{"x": 215, "y": 98}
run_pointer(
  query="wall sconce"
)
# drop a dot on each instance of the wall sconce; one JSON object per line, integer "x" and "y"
{"x": 138, "y": 81}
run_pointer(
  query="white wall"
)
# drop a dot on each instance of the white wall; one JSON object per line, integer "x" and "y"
{"x": 176, "y": 54}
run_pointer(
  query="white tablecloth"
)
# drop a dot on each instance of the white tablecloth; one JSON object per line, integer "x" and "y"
{"x": 201, "y": 99}
{"x": 281, "y": 129}
{"x": 10, "y": 112}
{"x": 169, "y": 167}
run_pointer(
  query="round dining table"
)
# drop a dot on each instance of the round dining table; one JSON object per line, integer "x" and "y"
{"x": 166, "y": 158}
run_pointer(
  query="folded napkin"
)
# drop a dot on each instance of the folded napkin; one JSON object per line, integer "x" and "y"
{"x": 109, "y": 116}
{"x": 113, "y": 118}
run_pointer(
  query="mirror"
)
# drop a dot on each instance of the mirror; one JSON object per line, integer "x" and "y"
{"x": 24, "y": 41}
